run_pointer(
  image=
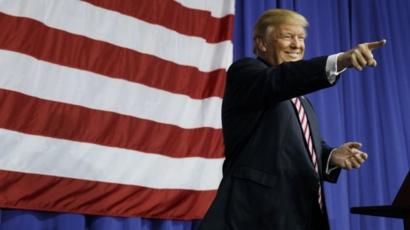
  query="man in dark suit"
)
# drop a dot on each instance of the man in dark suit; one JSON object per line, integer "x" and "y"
{"x": 276, "y": 160}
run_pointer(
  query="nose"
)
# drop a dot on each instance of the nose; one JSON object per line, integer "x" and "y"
{"x": 296, "y": 42}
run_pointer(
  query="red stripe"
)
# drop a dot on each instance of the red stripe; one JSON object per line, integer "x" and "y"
{"x": 31, "y": 115}
{"x": 50, "y": 193}
{"x": 56, "y": 46}
{"x": 173, "y": 15}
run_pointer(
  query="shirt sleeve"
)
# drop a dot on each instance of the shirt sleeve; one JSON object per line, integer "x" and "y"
{"x": 331, "y": 68}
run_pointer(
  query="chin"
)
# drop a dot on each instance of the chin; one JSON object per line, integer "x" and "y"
{"x": 294, "y": 59}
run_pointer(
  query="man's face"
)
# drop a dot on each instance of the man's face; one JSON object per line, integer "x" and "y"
{"x": 285, "y": 44}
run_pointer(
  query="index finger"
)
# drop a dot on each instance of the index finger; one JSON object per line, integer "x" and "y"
{"x": 374, "y": 45}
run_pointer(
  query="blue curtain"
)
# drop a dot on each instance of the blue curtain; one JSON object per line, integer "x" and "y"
{"x": 32, "y": 220}
{"x": 371, "y": 106}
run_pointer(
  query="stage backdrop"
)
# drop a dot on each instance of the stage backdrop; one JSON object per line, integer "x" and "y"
{"x": 371, "y": 106}
{"x": 112, "y": 107}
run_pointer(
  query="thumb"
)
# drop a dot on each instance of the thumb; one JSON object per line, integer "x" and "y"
{"x": 354, "y": 144}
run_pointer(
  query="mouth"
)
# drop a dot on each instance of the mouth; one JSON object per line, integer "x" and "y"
{"x": 293, "y": 54}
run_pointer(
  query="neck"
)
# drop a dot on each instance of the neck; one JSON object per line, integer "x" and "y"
{"x": 266, "y": 59}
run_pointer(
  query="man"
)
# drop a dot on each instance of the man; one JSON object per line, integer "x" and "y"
{"x": 276, "y": 160}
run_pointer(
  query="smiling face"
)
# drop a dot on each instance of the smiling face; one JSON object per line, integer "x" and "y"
{"x": 285, "y": 43}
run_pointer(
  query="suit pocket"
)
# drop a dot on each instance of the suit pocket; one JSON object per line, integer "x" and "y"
{"x": 253, "y": 201}
{"x": 256, "y": 176}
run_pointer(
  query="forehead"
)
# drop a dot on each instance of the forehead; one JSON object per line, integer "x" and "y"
{"x": 291, "y": 28}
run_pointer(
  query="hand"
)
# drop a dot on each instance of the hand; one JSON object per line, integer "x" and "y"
{"x": 359, "y": 57}
{"x": 348, "y": 156}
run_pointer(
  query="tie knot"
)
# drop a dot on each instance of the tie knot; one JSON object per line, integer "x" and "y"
{"x": 296, "y": 100}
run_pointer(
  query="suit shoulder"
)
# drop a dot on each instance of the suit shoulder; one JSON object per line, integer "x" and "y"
{"x": 246, "y": 62}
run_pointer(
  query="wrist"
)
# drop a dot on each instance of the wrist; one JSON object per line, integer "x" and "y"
{"x": 342, "y": 62}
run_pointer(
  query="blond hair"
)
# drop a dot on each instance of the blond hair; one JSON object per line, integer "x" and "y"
{"x": 273, "y": 18}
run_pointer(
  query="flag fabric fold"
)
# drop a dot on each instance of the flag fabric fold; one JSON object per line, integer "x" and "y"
{"x": 113, "y": 107}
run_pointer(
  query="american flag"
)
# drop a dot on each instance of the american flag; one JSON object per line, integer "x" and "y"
{"x": 113, "y": 107}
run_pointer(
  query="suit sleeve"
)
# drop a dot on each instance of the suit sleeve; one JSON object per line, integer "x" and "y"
{"x": 253, "y": 83}
{"x": 334, "y": 174}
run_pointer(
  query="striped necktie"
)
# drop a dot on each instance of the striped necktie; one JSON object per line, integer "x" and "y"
{"x": 304, "y": 124}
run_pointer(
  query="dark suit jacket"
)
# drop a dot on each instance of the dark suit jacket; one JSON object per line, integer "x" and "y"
{"x": 268, "y": 178}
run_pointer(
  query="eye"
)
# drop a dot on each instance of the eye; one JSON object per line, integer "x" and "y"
{"x": 287, "y": 36}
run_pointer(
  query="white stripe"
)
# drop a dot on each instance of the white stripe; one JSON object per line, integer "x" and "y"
{"x": 314, "y": 157}
{"x": 307, "y": 135}
{"x": 309, "y": 141}
{"x": 218, "y": 8}
{"x": 24, "y": 74}
{"x": 302, "y": 117}
{"x": 297, "y": 103}
{"x": 305, "y": 124}
{"x": 50, "y": 156}
{"x": 97, "y": 23}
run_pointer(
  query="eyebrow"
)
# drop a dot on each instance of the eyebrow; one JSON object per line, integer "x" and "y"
{"x": 292, "y": 33}
{"x": 304, "y": 35}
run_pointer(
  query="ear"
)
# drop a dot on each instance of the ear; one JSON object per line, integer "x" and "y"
{"x": 261, "y": 44}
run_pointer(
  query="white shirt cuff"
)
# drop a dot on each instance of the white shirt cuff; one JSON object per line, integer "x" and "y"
{"x": 331, "y": 68}
{"x": 329, "y": 170}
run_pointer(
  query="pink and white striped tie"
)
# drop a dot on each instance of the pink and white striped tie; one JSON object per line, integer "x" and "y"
{"x": 308, "y": 140}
